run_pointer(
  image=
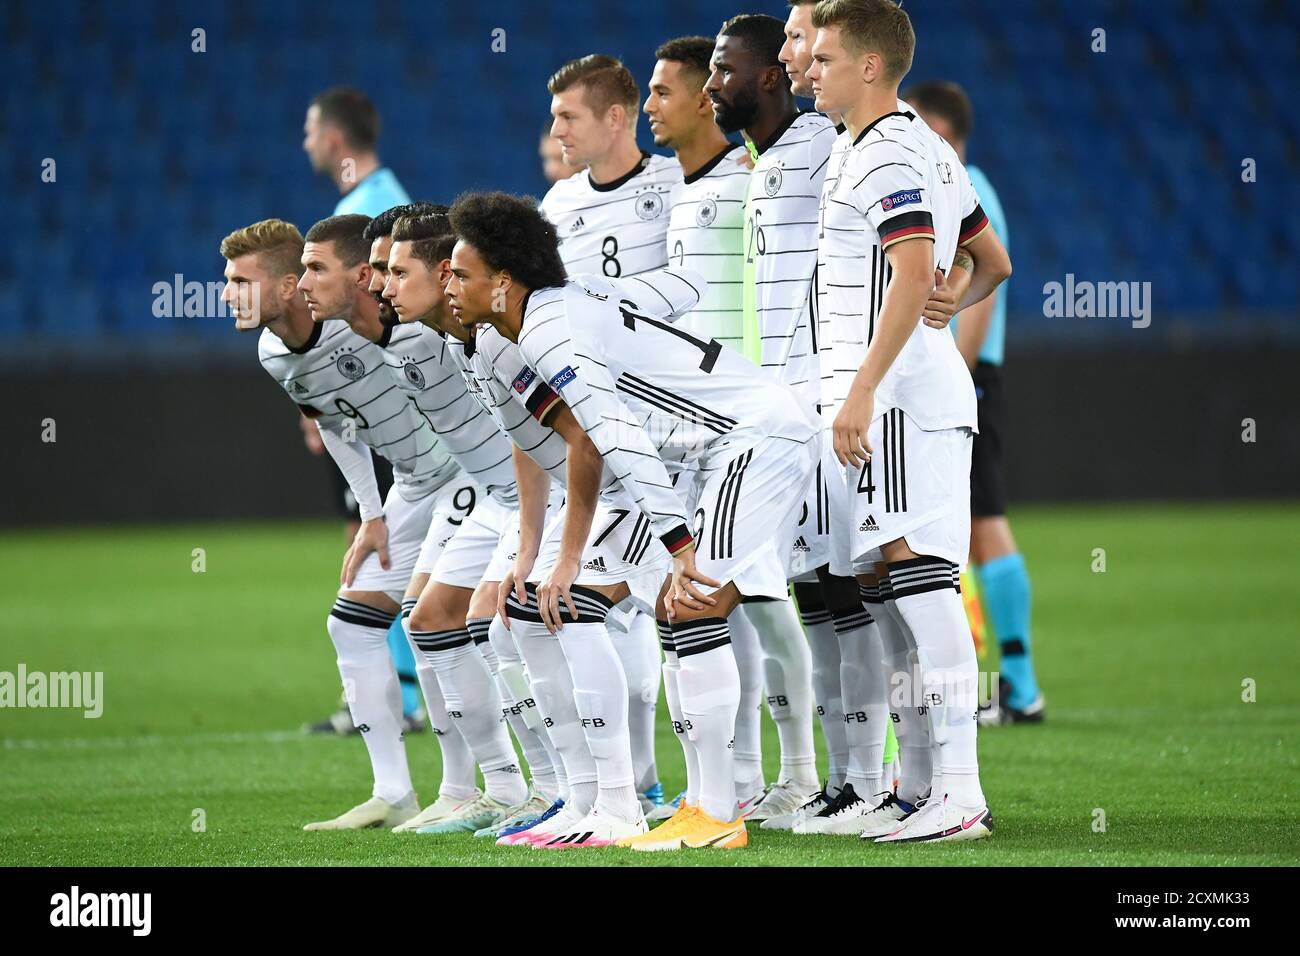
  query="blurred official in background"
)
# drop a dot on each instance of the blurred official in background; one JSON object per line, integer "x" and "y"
{"x": 341, "y": 138}
{"x": 998, "y": 566}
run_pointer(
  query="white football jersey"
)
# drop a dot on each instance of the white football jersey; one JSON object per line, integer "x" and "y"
{"x": 705, "y": 227}
{"x": 616, "y": 228}
{"x": 338, "y": 376}
{"x": 522, "y": 398}
{"x": 780, "y": 237}
{"x": 498, "y": 377}
{"x": 650, "y": 394}
{"x": 419, "y": 358}
{"x": 896, "y": 180}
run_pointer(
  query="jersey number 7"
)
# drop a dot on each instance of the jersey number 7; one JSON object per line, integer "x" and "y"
{"x": 711, "y": 349}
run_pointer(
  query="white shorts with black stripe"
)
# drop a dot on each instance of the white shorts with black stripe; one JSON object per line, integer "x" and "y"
{"x": 916, "y": 487}
{"x": 743, "y": 512}
{"x": 453, "y": 503}
{"x": 408, "y": 524}
{"x": 466, "y": 558}
{"x": 808, "y": 537}
{"x": 620, "y": 548}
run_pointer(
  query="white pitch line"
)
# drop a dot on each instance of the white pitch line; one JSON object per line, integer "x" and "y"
{"x": 150, "y": 740}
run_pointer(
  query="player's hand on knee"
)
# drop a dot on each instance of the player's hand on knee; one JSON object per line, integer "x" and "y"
{"x": 504, "y": 587}
{"x": 683, "y": 589}
{"x": 372, "y": 536}
{"x": 556, "y": 589}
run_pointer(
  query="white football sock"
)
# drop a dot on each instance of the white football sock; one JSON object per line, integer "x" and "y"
{"x": 672, "y": 670}
{"x": 708, "y": 685}
{"x": 600, "y": 694}
{"x": 548, "y": 672}
{"x": 360, "y": 636}
{"x": 866, "y": 712}
{"x": 926, "y": 592}
{"x": 459, "y": 773}
{"x": 508, "y": 674}
{"x": 473, "y": 702}
{"x": 747, "y": 754}
{"x": 787, "y": 678}
{"x": 825, "y": 650}
{"x": 638, "y": 652}
{"x": 911, "y": 720}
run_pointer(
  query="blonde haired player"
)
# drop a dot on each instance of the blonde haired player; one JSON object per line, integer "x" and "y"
{"x": 896, "y": 205}
{"x": 331, "y": 374}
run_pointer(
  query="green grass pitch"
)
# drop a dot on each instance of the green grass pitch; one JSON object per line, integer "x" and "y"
{"x": 208, "y": 676}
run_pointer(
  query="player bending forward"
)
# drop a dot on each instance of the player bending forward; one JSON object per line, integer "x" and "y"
{"x": 293, "y": 291}
{"x": 650, "y": 398}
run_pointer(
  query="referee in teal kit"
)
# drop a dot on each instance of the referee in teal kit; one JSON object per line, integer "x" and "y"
{"x": 341, "y": 138}
{"x": 981, "y": 330}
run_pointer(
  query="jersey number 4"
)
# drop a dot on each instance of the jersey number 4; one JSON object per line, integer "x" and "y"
{"x": 711, "y": 349}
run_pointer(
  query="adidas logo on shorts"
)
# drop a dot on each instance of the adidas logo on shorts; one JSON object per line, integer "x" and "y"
{"x": 595, "y": 564}
{"x": 869, "y": 524}
{"x": 801, "y": 545}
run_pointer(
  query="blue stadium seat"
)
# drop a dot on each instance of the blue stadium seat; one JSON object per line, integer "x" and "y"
{"x": 1108, "y": 165}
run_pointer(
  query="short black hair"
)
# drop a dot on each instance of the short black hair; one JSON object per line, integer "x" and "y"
{"x": 382, "y": 225}
{"x": 693, "y": 53}
{"x": 431, "y": 236}
{"x": 762, "y": 35}
{"x": 944, "y": 99}
{"x": 346, "y": 232}
{"x": 511, "y": 234}
{"x": 352, "y": 112}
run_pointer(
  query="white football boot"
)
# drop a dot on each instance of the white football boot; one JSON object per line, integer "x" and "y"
{"x": 530, "y": 809}
{"x": 810, "y": 808}
{"x": 373, "y": 813}
{"x": 482, "y": 811}
{"x": 843, "y": 817}
{"x": 942, "y": 821}
{"x": 885, "y": 817}
{"x": 594, "y": 830}
{"x": 442, "y": 807}
{"x": 782, "y": 799}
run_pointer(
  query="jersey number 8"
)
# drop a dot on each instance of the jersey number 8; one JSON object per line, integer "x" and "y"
{"x": 609, "y": 249}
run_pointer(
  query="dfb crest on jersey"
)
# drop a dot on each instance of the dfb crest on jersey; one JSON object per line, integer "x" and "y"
{"x": 772, "y": 181}
{"x": 649, "y": 205}
{"x": 414, "y": 375}
{"x": 706, "y": 213}
{"x": 350, "y": 366}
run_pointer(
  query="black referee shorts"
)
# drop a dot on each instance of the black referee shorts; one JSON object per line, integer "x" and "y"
{"x": 988, "y": 489}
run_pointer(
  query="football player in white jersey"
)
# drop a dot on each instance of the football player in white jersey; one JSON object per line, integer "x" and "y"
{"x": 337, "y": 379}
{"x": 896, "y": 206}
{"x": 706, "y": 209}
{"x": 912, "y": 729}
{"x": 612, "y": 220}
{"x": 751, "y": 93}
{"x": 705, "y": 235}
{"x": 650, "y": 397}
{"x": 336, "y": 285}
{"x": 545, "y": 698}
{"x": 451, "y": 622}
